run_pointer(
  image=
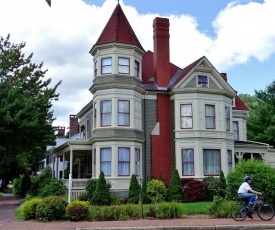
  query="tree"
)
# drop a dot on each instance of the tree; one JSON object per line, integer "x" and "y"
{"x": 174, "y": 192}
{"x": 134, "y": 190}
{"x": 261, "y": 121}
{"x": 250, "y": 101}
{"x": 102, "y": 194}
{"x": 26, "y": 119}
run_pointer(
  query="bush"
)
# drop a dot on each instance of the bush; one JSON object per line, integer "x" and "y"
{"x": 174, "y": 192}
{"x": 211, "y": 187}
{"x": 83, "y": 196}
{"x": 40, "y": 181}
{"x": 220, "y": 208}
{"x": 222, "y": 185}
{"x": 101, "y": 195}
{"x": 53, "y": 187}
{"x": 134, "y": 190}
{"x": 90, "y": 188}
{"x": 29, "y": 208}
{"x": 16, "y": 186}
{"x": 25, "y": 185}
{"x": 263, "y": 179}
{"x": 156, "y": 191}
{"x": 193, "y": 191}
{"x": 77, "y": 210}
{"x": 51, "y": 208}
{"x": 168, "y": 210}
{"x": 115, "y": 200}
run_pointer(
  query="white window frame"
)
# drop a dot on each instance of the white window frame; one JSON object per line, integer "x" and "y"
{"x": 210, "y": 116}
{"x": 106, "y": 161}
{"x": 105, "y": 113}
{"x": 187, "y": 162}
{"x": 123, "y": 113}
{"x": 106, "y": 65}
{"x": 124, "y": 161}
{"x": 211, "y": 162}
{"x": 123, "y": 65}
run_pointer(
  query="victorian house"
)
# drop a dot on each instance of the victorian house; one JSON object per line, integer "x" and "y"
{"x": 149, "y": 116}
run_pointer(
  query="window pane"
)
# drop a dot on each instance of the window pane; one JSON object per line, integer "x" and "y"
{"x": 211, "y": 162}
{"x": 106, "y": 61}
{"x": 210, "y": 116}
{"x": 136, "y": 69}
{"x": 123, "y": 65}
{"x": 236, "y": 130}
{"x": 105, "y": 161}
{"x": 186, "y": 116}
{"x": 202, "y": 81}
{"x": 123, "y": 113}
{"x": 137, "y": 162}
{"x": 123, "y": 161}
{"x": 123, "y": 61}
{"x": 187, "y": 156}
{"x": 106, "y": 65}
{"x": 229, "y": 160}
{"x": 106, "y": 112}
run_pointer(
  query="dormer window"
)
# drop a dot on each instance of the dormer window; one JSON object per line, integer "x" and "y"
{"x": 137, "y": 69}
{"x": 106, "y": 65}
{"x": 202, "y": 81}
{"x": 123, "y": 65}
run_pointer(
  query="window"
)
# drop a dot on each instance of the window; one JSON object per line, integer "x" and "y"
{"x": 227, "y": 118}
{"x": 94, "y": 174}
{"x": 106, "y": 112}
{"x": 95, "y": 110}
{"x": 229, "y": 160}
{"x": 137, "y": 161}
{"x": 106, "y": 65}
{"x": 236, "y": 130}
{"x": 202, "y": 81}
{"x": 95, "y": 69}
{"x": 186, "y": 117}
{"x": 187, "y": 159}
{"x": 105, "y": 161}
{"x": 123, "y": 65}
{"x": 211, "y": 162}
{"x": 137, "y": 69}
{"x": 123, "y": 161}
{"x": 210, "y": 116}
{"x": 123, "y": 118}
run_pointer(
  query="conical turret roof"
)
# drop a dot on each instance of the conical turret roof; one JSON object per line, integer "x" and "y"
{"x": 118, "y": 29}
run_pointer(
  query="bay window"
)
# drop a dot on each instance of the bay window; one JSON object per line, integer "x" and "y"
{"x": 106, "y": 112}
{"x": 123, "y": 118}
{"x": 123, "y": 161}
{"x": 123, "y": 65}
{"x": 211, "y": 162}
{"x": 106, "y": 65}
{"x": 210, "y": 116}
{"x": 187, "y": 159}
{"x": 186, "y": 116}
{"x": 105, "y": 161}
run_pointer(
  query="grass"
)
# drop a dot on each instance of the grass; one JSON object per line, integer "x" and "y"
{"x": 188, "y": 208}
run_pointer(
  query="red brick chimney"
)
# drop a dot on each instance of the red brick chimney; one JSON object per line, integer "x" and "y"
{"x": 161, "y": 51}
{"x": 224, "y": 76}
{"x": 73, "y": 125}
{"x": 60, "y": 131}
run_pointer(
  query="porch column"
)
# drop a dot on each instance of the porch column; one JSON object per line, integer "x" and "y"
{"x": 79, "y": 168}
{"x": 71, "y": 160}
{"x": 70, "y": 175}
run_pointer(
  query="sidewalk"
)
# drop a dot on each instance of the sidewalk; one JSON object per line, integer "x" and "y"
{"x": 9, "y": 203}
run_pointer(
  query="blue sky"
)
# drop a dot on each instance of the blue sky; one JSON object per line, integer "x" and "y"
{"x": 237, "y": 37}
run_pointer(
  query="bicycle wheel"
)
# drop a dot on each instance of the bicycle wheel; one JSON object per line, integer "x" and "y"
{"x": 238, "y": 212}
{"x": 265, "y": 212}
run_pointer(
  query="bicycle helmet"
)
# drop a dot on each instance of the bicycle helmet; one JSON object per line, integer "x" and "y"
{"x": 247, "y": 178}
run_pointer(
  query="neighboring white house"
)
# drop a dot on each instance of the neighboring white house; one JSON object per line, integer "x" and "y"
{"x": 148, "y": 116}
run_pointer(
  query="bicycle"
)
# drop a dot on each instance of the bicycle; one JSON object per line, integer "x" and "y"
{"x": 264, "y": 210}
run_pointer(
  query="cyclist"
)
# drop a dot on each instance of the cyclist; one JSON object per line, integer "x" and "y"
{"x": 248, "y": 194}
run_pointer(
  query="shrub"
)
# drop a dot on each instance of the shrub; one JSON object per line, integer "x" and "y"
{"x": 220, "y": 208}
{"x": 193, "y": 191}
{"x": 83, "y": 196}
{"x": 29, "y": 208}
{"x": 211, "y": 187}
{"x": 77, "y": 210}
{"x": 40, "y": 181}
{"x": 16, "y": 186}
{"x": 134, "y": 190}
{"x": 168, "y": 210}
{"x": 115, "y": 200}
{"x": 263, "y": 179}
{"x": 222, "y": 185}
{"x": 54, "y": 187}
{"x": 151, "y": 213}
{"x": 51, "y": 208}
{"x": 101, "y": 195}
{"x": 156, "y": 191}
{"x": 174, "y": 192}
{"x": 90, "y": 188}
{"x": 25, "y": 185}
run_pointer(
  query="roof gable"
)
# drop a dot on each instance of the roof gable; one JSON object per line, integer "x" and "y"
{"x": 118, "y": 29}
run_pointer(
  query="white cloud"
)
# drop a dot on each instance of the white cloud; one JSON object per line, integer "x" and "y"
{"x": 62, "y": 36}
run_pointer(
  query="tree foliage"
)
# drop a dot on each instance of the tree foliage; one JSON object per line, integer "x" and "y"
{"x": 26, "y": 118}
{"x": 134, "y": 190}
{"x": 101, "y": 194}
{"x": 263, "y": 179}
{"x": 174, "y": 192}
{"x": 261, "y": 121}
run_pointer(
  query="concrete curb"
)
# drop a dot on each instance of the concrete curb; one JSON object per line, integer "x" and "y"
{"x": 217, "y": 227}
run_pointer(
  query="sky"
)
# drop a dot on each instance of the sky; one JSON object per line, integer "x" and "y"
{"x": 237, "y": 37}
